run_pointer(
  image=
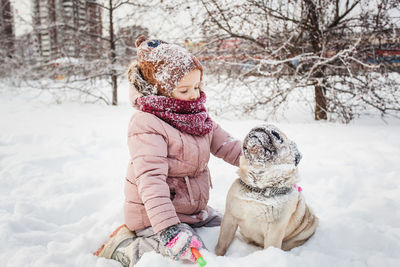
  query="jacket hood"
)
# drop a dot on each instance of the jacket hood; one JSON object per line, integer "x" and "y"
{"x": 138, "y": 86}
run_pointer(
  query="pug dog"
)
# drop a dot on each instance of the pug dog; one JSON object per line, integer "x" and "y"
{"x": 265, "y": 202}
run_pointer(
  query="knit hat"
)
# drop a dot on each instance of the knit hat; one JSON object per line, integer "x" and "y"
{"x": 163, "y": 65}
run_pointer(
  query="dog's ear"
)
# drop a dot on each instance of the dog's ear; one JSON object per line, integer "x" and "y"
{"x": 296, "y": 153}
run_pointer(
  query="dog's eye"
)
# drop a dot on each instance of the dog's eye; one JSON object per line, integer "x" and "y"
{"x": 277, "y": 136}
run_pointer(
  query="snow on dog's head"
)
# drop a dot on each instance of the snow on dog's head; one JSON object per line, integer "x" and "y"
{"x": 266, "y": 144}
{"x": 267, "y": 152}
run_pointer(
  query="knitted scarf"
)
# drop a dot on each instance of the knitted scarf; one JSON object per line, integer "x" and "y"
{"x": 187, "y": 116}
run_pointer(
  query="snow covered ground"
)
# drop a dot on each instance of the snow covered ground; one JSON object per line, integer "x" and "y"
{"x": 62, "y": 169}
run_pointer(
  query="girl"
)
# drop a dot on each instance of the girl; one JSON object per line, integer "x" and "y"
{"x": 170, "y": 139}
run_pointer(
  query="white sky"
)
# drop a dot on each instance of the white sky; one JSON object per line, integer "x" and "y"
{"x": 173, "y": 26}
{"x": 22, "y": 16}
{"x": 178, "y": 26}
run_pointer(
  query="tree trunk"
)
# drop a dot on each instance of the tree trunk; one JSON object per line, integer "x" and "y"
{"x": 315, "y": 37}
{"x": 113, "y": 72}
{"x": 320, "y": 103}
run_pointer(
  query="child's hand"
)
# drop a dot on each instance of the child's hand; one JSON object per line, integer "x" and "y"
{"x": 178, "y": 241}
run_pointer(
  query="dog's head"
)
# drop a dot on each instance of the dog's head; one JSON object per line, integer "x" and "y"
{"x": 267, "y": 144}
{"x": 267, "y": 149}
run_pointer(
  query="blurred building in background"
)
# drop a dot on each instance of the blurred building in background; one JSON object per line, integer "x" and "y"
{"x": 67, "y": 28}
{"x": 27, "y": 48}
{"x": 7, "y": 30}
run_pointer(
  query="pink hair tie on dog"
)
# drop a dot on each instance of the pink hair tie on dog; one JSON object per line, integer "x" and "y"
{"x": 298, "y": 187}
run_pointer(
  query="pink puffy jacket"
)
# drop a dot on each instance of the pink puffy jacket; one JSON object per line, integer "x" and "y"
{"x": 168, "y": 180}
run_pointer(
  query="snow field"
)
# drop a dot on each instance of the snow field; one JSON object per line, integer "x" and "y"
{"x": 62, "y": 170}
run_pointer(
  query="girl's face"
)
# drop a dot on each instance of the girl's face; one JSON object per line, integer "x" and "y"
{"x": 189, "y": 87}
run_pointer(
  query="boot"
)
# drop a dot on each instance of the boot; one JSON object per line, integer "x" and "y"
{"x": 115, "y": 247}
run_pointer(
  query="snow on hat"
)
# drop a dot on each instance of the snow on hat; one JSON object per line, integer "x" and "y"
{"x": 164, "y": 65}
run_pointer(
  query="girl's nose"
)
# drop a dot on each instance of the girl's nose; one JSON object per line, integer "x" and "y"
{"x": 194, "y": 95}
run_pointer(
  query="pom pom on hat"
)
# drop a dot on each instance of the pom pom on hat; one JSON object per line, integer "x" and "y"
{"x": 140, "y": 40}
{"x": 164, "y": 65}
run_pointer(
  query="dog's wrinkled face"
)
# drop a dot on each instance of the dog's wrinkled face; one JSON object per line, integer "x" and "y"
{"x": 267, "y": 144}
{"x": 269, "y": 158}
{"x": 259, "y": 146}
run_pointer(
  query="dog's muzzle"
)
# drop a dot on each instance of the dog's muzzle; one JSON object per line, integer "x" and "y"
{"x": 261, "y": 144}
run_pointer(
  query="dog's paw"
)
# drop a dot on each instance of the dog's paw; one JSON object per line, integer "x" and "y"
{"x": 220, "y": 251}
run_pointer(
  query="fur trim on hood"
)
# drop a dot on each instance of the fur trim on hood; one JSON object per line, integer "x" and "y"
{"x": 138, "y": 86}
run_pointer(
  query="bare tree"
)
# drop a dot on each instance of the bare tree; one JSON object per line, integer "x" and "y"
{"x": 75, "y": 46}
{"x": 329, "y": 46}
{"x": 77, "y": 57}
{"x": 122, "y": 38}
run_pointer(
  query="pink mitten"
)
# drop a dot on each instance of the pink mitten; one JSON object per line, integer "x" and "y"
{"x": 178, "y": 241}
